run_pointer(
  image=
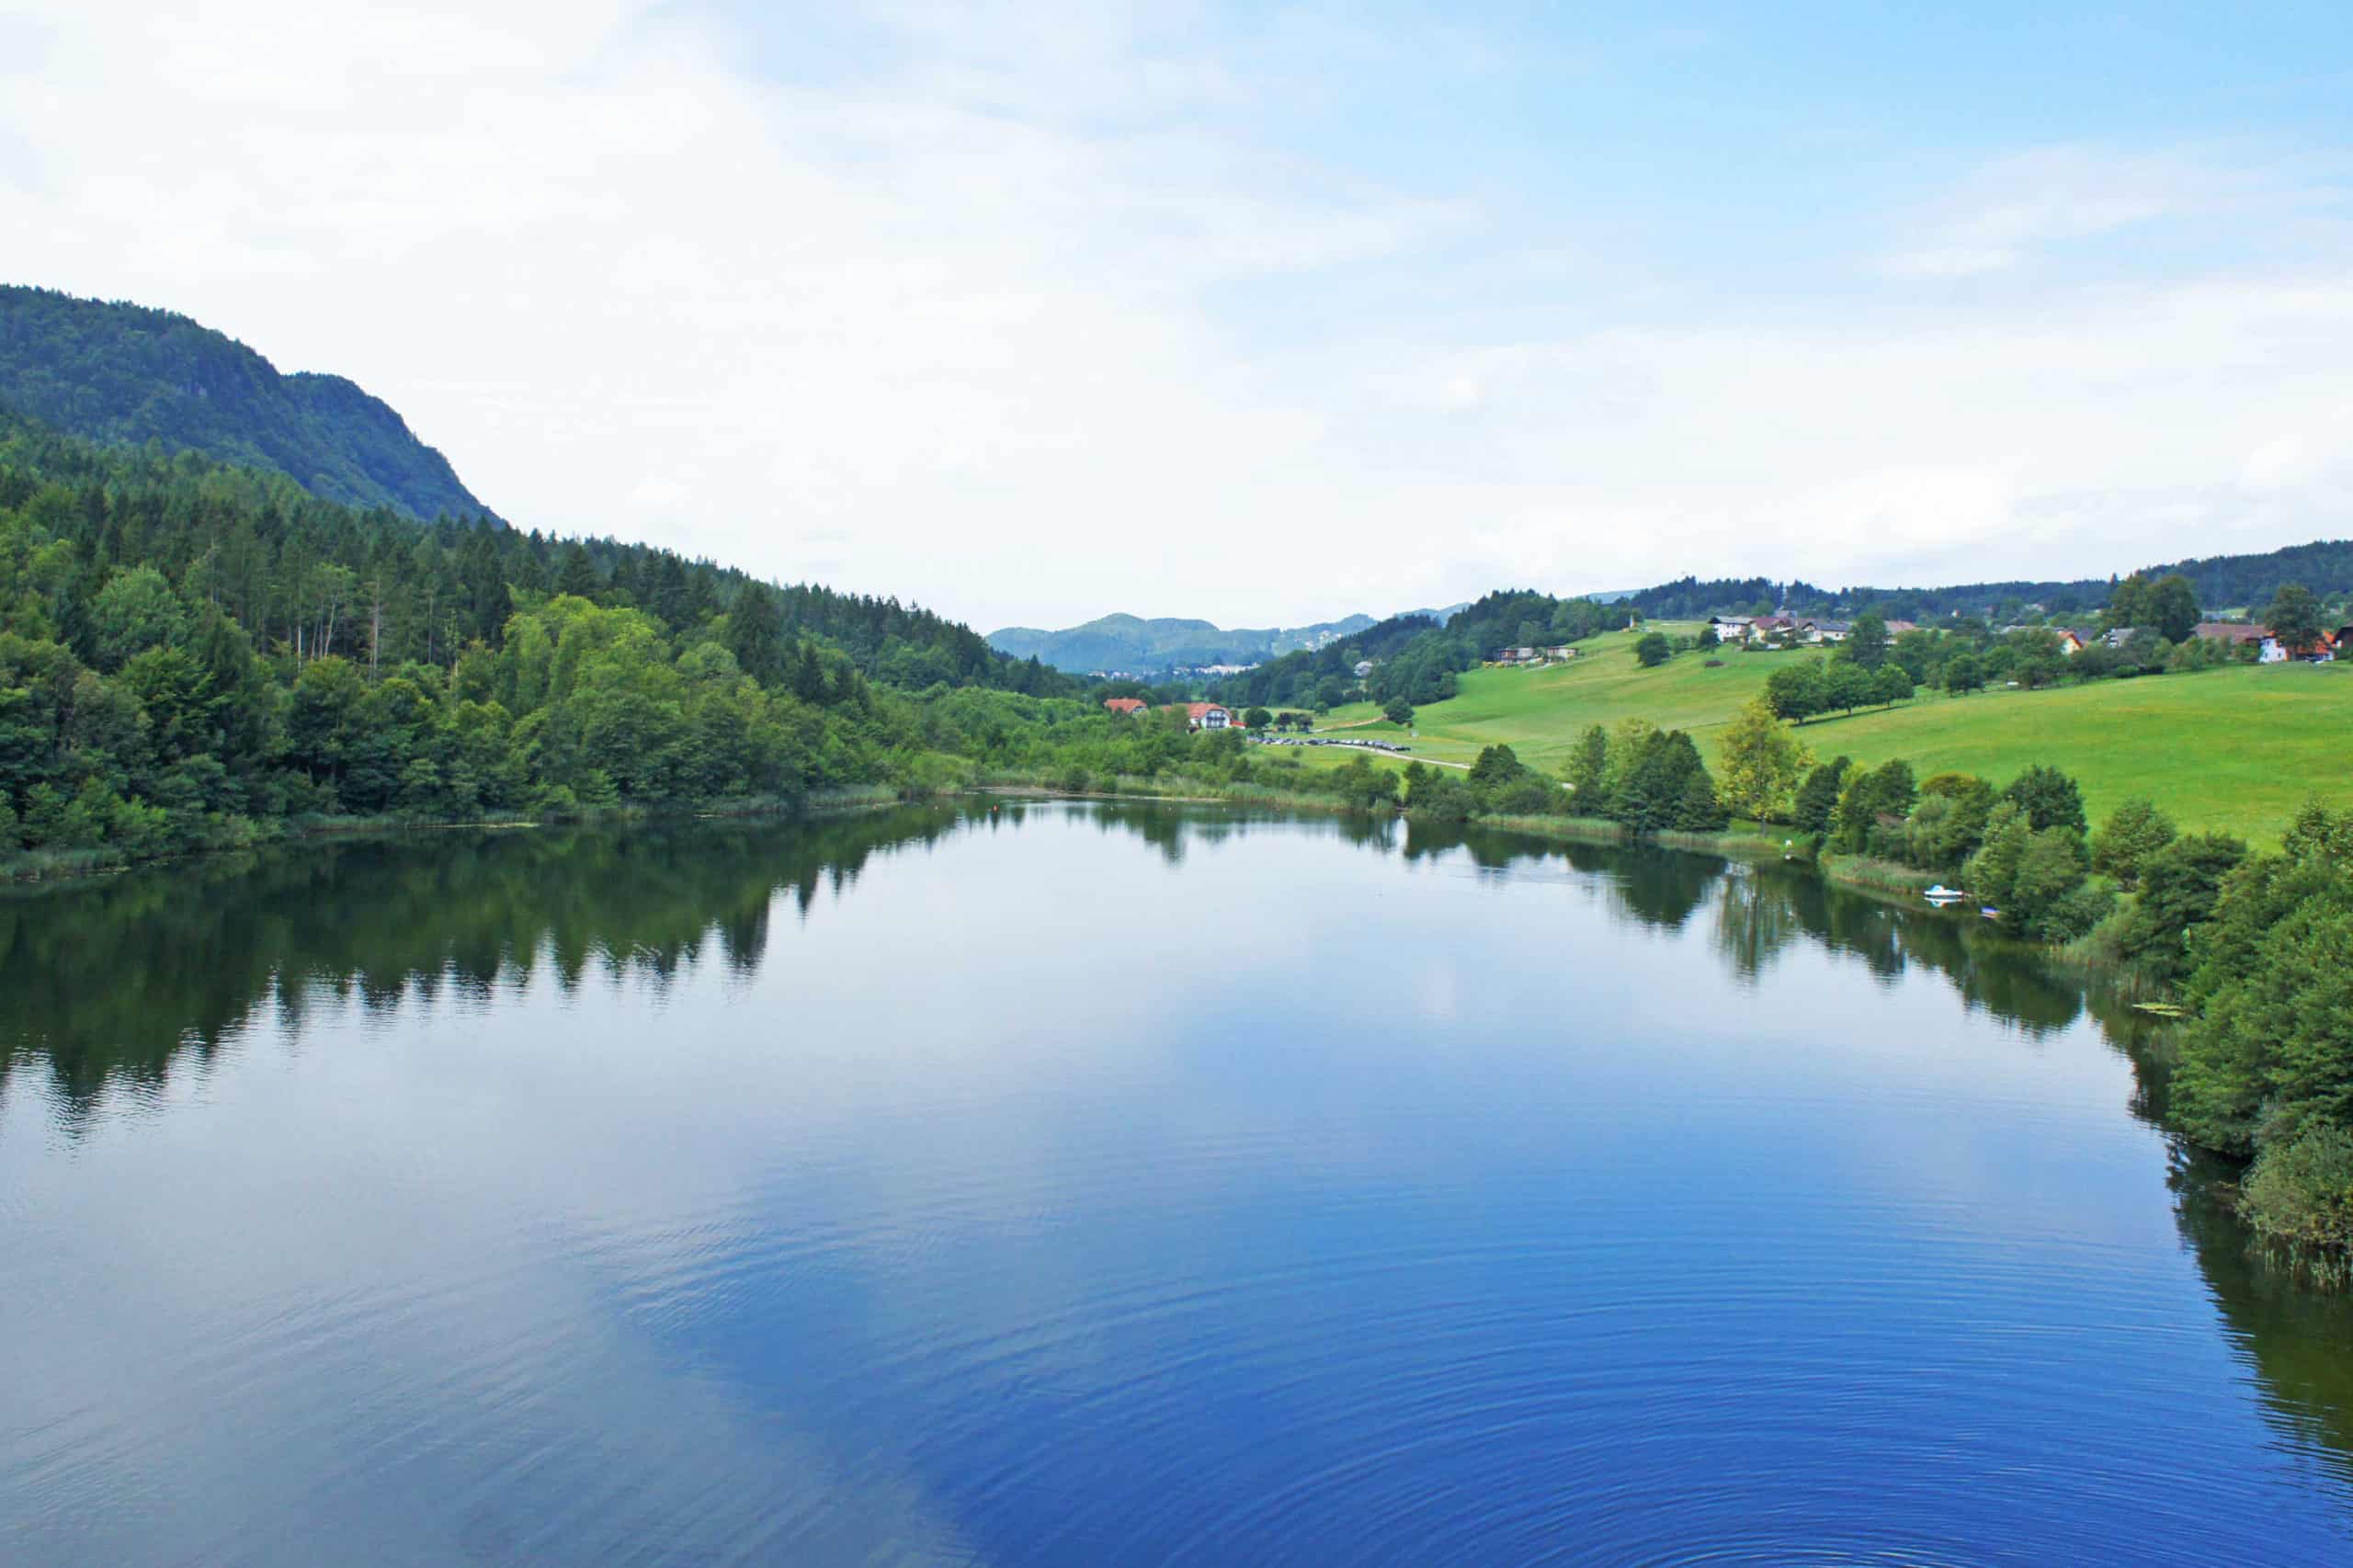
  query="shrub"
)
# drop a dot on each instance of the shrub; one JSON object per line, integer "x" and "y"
{"x": 1430, "y": 793}
{"x": 1817, "y": 799}
{"x": 2077, "y": 914}
{"x": 2133, "y": 832}
{"x": 2050, "y": 870}
{"x": 1992, "y": 872}
{"x": 2300, "y": 1192}
{"x": 2049, "y": 798}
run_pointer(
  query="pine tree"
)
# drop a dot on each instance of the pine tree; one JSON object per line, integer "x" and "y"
{"x": 577, "y": 574}
{"x": 756, "y": 634}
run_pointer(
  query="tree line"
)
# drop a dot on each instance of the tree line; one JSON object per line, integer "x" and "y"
{"x": 2324, "y": 568}
{"x": 192, "y": 655}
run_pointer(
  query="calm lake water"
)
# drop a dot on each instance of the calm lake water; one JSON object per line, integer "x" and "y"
{"x": 1078, "y": 1185}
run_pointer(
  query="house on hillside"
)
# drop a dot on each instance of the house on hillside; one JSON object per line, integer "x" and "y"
{"x": 1127, "y": 707}
{"x": 2071, "y": 642}
{"x": 1820, "y": 631}
{"x": 1896, "y": 629}
{"x": 1519, "y": 657}
{"x": 1731, "y": 628}
{"x": 2321, "y": 650}
{"x": 1364, "y": 668}
{"x": 1781, "y": 626}
{"x": 1208, "y": 716}
{"x": 1562, "y": 651}
{"x": 2268, "y": 649}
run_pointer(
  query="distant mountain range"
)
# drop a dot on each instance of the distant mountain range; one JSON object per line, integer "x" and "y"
{"x": 1142, "y": 647}
{"x": 126, "y": 375}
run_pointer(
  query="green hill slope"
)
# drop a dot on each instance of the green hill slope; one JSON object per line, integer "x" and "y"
{"x": 126, "y": 375}
{"x": 2236, "y": 749}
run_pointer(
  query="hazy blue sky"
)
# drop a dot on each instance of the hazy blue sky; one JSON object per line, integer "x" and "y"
{"x": 1264, "y": 313}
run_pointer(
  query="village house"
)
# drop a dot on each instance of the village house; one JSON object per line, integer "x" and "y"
{"x": 1364, "y": 668}
{"x": 1562, "y": 652}
{"x": 1768, "y": 626}
{"x": 1819, "y": 632}
{"x": 2270, "y": 649}
{"x": 2071, "y": 642}
{"x": 1207, "y": 716}
{"x": 1127, "y": 707}
{"x": 1730, "y": 628}
{"x": 1519, "y": 657}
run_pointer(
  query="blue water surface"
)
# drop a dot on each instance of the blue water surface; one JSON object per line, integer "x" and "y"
{"x": 1064, "y": 1183}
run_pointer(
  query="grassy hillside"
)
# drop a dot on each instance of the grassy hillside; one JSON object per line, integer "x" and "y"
{"x": 125, "y": 375}
{"x": 2237, "y": 749}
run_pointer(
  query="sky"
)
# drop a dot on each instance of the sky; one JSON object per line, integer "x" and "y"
{"x": 1261, "y": 313}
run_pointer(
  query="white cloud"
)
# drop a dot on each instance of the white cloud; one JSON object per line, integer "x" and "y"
{"x": 2008, "y": 211}
{"x": 998, "y": 321}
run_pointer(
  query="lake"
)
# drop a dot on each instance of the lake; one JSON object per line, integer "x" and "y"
{"x": 1077, "y": 1184}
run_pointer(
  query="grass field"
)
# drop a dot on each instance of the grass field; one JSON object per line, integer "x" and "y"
{"x": 2237, "y": 749}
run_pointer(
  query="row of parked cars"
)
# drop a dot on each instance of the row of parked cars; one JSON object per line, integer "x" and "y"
{"x": 1330, "y": 741}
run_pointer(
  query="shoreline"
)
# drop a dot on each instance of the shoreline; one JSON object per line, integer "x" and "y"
{"x": 70, "y": 868}
{"x": 1878, "y": 878}
{"x": 1881, "y": 881}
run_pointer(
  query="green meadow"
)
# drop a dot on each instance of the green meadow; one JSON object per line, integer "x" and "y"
{"x": 2236, "y": 749}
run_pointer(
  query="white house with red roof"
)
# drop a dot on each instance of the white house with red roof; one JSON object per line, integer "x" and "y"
{"x": 1208, "y": 716}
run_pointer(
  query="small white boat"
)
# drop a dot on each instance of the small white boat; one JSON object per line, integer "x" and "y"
{"x": 1943, "y": 895}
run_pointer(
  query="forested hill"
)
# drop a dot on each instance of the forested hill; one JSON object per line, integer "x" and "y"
{"x": 310, "y": 577}
{"x": 2220, "y": 582}
{"x": 1139, "y": 646}
{"x": 1416, "y": 656}
{"x": 192, "y": 654}
{"x": 127, "y": 375}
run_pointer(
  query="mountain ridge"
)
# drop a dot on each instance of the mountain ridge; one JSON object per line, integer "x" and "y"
{"x": 1150, "y": 645}
{"x": 124, "y": 374}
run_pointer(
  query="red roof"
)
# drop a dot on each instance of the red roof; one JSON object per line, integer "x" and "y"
{"x": 1203, "y": 710}
{"x": 1124, "y": 704}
